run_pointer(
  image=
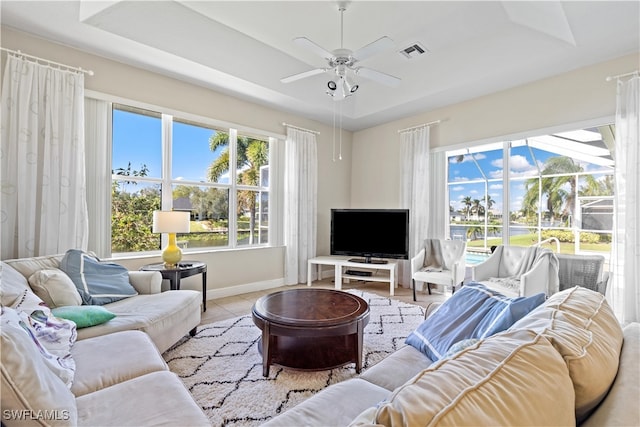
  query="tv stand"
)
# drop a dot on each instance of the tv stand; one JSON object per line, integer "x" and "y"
{"x": 368, "y": 260}
{"x": 386, "y": 272}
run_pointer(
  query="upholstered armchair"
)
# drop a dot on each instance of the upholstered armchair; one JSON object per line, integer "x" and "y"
{"x": 519, "y": 271}
{"x": 440, "y": 262}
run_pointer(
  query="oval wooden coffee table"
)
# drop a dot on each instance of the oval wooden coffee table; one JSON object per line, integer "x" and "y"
{"x": 310, "y": 329}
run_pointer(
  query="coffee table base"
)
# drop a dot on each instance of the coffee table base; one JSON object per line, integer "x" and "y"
{"x": 313, "y": 353}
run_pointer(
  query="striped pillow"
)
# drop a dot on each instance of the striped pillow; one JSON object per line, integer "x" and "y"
{"x": 97, "y": 282}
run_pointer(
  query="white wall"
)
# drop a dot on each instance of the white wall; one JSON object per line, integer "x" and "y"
{"x": 576, "y": 97}
{"x": 368, "y": 175}
{"x": 233, "y": 271}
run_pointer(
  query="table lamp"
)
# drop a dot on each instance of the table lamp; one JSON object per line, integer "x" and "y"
{"x": 171, "y": 222}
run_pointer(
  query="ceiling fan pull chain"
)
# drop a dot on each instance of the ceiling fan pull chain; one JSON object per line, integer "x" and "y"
{"x": 334, "y": 132}
{"x": 340, "y": 152}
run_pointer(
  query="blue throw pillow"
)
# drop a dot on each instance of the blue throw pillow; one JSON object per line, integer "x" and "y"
{"x": 97, "y": 282}
{"x": 474, "y": 311}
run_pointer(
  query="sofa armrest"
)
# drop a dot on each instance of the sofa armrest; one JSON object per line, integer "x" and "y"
{"x": 536, "y": 280}
{"x": 146, "y": 282}
{"x": 431, "y": 308}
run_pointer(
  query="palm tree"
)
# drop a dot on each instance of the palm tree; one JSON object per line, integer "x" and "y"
{"x": 467, "y": 205}
{"x": 490, "y": 202}
{"x": 251, "y": 155}
{"x": 560, "y": 202}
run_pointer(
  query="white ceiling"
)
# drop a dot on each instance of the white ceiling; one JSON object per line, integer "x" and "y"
{"x": 244, "y": 48}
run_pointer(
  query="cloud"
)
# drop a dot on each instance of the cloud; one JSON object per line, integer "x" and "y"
{"x": 496, "y": 186}
{"x": 458, "y": 188}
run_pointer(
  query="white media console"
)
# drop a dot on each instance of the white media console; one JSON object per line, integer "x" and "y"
{"x": 387, "y": 272}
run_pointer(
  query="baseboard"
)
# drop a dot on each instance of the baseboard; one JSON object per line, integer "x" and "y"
{"x": 244, "y": 288}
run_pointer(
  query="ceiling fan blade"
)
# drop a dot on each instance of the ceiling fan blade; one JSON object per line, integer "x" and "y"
{"x": 385, "y": 79}
{"x": 317, "y": 49}
{"x": 372, "y": 48}
{"x": 304, "y": 75}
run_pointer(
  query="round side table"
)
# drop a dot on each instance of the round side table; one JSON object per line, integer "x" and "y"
{"x": 184, "y": 269}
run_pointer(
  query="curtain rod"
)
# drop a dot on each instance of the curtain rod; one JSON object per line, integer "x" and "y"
{"x": 424, "y": 125}
{"x": 36, "y": 59}
{"x": 299, "y": 128}
{"x": 609, "y": 78}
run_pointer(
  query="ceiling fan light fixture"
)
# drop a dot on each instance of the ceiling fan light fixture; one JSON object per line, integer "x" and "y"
{"x": 350, "y": 86}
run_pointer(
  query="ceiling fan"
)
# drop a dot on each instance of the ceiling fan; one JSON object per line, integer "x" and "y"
{"x": 342, "y": 62}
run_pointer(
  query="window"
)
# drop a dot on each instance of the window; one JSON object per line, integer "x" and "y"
{"x": 558, "y": 189}
{"x": 218, "y": 175}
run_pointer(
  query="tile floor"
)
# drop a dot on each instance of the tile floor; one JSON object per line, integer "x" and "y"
{"x": 239, "y": 305}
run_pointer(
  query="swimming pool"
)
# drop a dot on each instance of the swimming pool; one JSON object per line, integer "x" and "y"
{"x": 473, "y": 258}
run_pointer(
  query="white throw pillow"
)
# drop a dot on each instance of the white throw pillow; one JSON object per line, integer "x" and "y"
{"x": 55, "y": 288}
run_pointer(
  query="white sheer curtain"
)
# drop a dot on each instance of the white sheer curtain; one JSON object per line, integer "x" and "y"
{"x": 438, "y": 197}
{"x": 414, "y": 190}
{"x": 625, "y": 292}
{"x": 98, "y": 160}
{"x": 300, "y": 203}
{"x": 44, "y": 208}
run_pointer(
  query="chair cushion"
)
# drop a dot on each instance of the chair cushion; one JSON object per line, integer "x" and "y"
{"x": 489, "y": 383}
{"x": 584, "y": 330}
{"x": 511, "y": 259}
{"x": 29, "y": 385}
{"x": 475, "y": 311}
{"x": 55, "y": 288}
{"x": 97, "y": 282}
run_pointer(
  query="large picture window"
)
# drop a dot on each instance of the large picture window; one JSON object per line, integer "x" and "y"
{"x": 218, "y": 175}
{"x": 557, "y": 190}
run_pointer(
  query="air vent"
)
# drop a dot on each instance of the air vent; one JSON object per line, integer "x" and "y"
{"x": 413, "y": 51}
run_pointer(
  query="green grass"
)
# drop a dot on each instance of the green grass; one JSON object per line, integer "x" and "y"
{"x": 530, "y": 239}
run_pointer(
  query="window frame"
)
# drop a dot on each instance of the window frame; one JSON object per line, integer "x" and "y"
{"x": 276, "y": 150}
{"x": 505, "y": 141}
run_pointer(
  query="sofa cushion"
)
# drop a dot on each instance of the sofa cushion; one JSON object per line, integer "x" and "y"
{"x": 620, "y": 407}
{"x": 337, "y": 405}
{"x": 28, "y": 384}
{"x": 105, "y": 352}
{"x": 165, "y": 317}
{"x": 397, "y": 368}
{"x": 54, "y": 287}
{"x": 28, "y": 266}
{"x": 52, "y": 337}
{"x": 97, "y": 282}
{"x": 84, "y": 315}
{"x": 155, "y": 399}
{"x": 489, "y": 383}
{"x": 475, "y": 311}
{"x": 584, "y": 330}
{"x": 13, "y": 286}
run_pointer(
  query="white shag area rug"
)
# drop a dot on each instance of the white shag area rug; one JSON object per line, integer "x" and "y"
{"x": 222, "y": 368}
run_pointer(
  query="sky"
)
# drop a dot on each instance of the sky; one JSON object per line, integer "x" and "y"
{"x": 522, "y": 166}
{"x": 138, "y": 139}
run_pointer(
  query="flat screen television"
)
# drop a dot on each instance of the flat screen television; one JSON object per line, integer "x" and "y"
{"x": 370, "y": 233}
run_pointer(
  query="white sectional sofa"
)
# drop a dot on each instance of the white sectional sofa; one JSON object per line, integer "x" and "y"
{"x": 120, "y": 377}
{"x": 567, "y": 362}
{"x": 164, "y": 316}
